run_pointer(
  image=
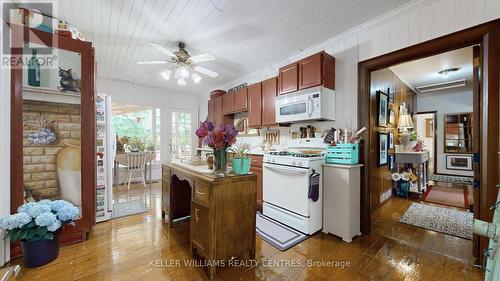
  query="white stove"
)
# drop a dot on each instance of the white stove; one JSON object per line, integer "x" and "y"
{"x": 292, "y": 187}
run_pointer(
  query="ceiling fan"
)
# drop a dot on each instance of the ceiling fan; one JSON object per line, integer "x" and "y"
{"x": 182, "y": 64}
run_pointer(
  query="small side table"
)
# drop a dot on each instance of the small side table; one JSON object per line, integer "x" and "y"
{"x": 420, "y": 162}
{"x": 341, "y": 200}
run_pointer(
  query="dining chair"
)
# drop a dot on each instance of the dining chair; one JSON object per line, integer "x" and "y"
{"x": 136, "y": 163}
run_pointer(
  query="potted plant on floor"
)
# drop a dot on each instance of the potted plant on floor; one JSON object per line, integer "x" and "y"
{"x": 219, "y": 139}
{"x": 241, "y": 159}
{"x": 37, "y": 225}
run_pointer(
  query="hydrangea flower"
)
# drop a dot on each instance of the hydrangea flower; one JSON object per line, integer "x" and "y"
{"x": 46, "y": 219}
{"x": 67, "y": 213}
{"x": 15, "y": 221}
{"x": 55, "y": 226}
{"x": 34, "y": 209}
{"x": 59, "y": 204}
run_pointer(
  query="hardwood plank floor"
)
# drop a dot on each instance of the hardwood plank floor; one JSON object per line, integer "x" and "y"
{"x": 142, "y": 247}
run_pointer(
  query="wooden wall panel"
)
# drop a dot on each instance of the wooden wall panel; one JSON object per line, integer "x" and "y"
{"x": 384, "y": 79}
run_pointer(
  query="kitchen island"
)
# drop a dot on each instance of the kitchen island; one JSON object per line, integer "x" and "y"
{"x": 221, "y": 210}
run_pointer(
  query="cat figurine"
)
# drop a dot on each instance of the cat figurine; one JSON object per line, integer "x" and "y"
{"x": 67, "y": 81}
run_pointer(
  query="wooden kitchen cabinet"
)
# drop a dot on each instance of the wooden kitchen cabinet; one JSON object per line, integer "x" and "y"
{"x": 241, "y": 100}
{"x": 218, "y": 113}
{"x": 255, "y": 105}
{"x": 316, "y": 70}
{"x": 256, "y": 168}
{"x": 211, "y": 111}
{"x": 269, "y": 93}
{"x": 228, "y": 103}
{"x": 288, "y": 78}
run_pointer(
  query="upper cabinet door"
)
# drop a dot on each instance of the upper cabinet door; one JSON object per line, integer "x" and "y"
{"x": 218, "y": 115}
{"x": 255, "y": 105}
{"x": 269, "y": 92}
{"x": 288, "y": 78}
{"x": 228, "y": 103}
{"x": 310, "y": 71}
{"x": 211, "y": 111}
{"x": 240, "y": 100}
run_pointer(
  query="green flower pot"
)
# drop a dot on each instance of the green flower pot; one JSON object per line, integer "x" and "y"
{"x": 241, "y": 166}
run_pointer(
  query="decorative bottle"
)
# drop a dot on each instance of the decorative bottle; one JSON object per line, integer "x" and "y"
{"x": 33, "y": 71}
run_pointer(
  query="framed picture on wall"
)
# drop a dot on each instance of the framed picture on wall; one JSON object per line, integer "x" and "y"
{"x": 391, "y": 140}
{"x": 392, "y": 117}
{"x": 382, "y": 106}
{"x": 383, "y": 147}
{"x": 459, "y": 162}
{"x": 391, "y": 162}
{"x": 391, "y": 95}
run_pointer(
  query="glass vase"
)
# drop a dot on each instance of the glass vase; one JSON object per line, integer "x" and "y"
{"x": 220, "y": 161}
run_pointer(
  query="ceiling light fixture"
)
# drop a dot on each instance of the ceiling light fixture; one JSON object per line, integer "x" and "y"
{"x": 166, "y": 74}
{"x": 181, "y": 82}
{"x": 196, "y": 78}
{"x": 446, "y": 72}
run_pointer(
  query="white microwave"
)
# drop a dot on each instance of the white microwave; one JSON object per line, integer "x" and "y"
{"x": 316, "y": 103}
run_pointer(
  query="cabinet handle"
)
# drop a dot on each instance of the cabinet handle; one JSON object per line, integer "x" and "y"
{"x": 200, "y": 192}
{"x": 196, "y": 210}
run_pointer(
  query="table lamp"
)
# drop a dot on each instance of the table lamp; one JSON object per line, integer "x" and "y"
{"x": 405, "y": 122}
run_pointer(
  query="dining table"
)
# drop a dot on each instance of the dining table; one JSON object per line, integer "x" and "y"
{"x": 121, "y": 159}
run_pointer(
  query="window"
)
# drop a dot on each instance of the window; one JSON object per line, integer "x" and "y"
{"x": 180, "y": 142}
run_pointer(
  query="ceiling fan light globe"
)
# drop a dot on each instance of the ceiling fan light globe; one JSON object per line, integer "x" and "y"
{"x": 181, "y": 82}
{"x": 183, "y": 72}
{"x": 196, "y": 78}
{"x": 166, "y": 74}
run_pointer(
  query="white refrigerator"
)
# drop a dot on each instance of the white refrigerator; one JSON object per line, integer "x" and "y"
{"x": 106, "y": 151}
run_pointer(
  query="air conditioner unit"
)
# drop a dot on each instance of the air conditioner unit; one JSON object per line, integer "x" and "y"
{"x": 442, "y": 86}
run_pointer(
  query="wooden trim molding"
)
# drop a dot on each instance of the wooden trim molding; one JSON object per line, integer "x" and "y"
{"x": 486, "y": 35}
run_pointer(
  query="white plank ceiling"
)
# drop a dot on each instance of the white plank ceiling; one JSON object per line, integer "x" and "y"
{"x": 243, "y": 35}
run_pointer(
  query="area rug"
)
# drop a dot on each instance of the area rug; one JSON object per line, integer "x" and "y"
{"x": 439, "y": 219}
{"x": 451, "y": 179}
{"x": 277, "y": 234}
{"x": 450, "y": 196}
{"x": 128, "y": 208}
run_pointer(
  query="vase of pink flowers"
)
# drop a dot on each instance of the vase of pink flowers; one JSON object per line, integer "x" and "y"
{"x": 219, "y": 139}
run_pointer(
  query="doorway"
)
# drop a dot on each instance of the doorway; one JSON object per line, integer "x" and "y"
{"x": 426, "y": 124}
{"x": 486, "y": 88}
{"x": 180, "y": 134}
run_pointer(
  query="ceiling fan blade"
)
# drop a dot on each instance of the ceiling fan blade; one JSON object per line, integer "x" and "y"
{"x": 202, "y": 58}
{"x": 205, "y": 71}
{"x": 162, "y": 49}
{"x": 153, "y": 62}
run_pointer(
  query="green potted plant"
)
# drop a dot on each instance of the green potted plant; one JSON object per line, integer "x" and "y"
{"x": 37, "y": 225}
{"x": 241, "y": 159}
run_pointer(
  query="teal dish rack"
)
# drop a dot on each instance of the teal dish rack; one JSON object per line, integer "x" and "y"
{"x": 344, "y": 153}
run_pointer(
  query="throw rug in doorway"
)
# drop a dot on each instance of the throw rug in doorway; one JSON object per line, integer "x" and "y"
{"x": 128, "y": 208}
{"x": 279, "y": 235}
{"x": 445, "y": 220}
{"x": 450, "y": 196}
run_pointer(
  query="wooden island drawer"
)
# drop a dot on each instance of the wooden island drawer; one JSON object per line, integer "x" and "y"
{"x": 256, "y": 161}
{"x": 200, "y": 227}
{"x": 201, "y": 192}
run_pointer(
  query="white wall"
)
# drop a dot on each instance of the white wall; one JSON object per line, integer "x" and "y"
{"x": 443, "y": 103}
{"x": 127, "y": 93}
{"x": 413, "y": 23}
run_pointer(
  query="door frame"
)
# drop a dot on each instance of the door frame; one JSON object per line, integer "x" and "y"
{"x": 435, "y": 135}
{"x": 486, "y": 35}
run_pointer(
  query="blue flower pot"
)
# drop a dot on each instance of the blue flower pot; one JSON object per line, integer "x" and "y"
{"x": 38, "y": 253}
{"x": 241, "y": 166}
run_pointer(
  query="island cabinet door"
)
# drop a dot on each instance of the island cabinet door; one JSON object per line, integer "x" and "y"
{"x": 200, "y": 227}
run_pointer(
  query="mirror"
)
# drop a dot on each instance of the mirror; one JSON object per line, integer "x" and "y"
{"x": 458, "y": 133}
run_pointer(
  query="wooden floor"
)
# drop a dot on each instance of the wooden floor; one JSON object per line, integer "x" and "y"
{"x": 142, "y": 247}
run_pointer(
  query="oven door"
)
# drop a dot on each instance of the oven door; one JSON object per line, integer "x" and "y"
{"x": 294, "y": 110}
{"x": 287, "y": 187}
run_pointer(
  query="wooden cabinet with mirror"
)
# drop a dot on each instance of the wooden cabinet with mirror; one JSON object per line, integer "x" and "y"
{"x": 53, "y": 126}
{"x": 458, "y": 133}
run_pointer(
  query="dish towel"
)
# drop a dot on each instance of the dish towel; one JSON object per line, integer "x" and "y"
{"x": 314, "y": 186}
